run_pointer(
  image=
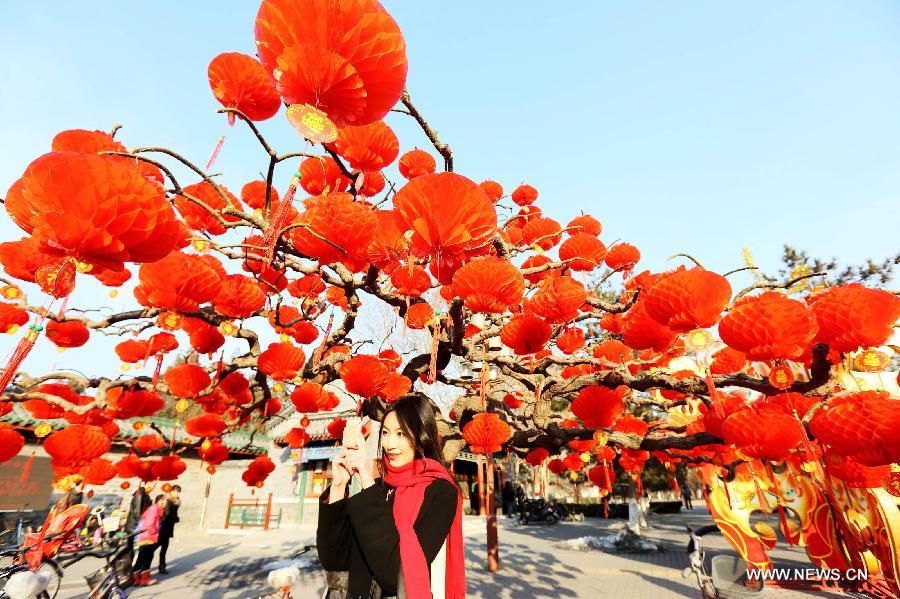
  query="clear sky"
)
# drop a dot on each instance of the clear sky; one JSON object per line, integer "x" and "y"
{"x": 701, "y": 127}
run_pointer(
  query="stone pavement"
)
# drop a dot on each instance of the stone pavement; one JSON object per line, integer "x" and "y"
{"x": 216, "y": 565}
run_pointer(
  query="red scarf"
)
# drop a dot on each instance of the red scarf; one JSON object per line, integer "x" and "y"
{"x": 410, "y": 482}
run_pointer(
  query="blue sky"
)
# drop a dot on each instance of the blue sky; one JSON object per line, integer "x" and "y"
{"x": 701, "y": 127}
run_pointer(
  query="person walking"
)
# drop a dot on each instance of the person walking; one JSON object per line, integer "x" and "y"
{"x": 687, "y": 495}
{"x": 140, "y": 501}
{"x": 167, "y": 524}
{"x": 147, "y": 541}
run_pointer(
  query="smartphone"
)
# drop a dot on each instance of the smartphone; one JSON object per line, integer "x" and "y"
{"x": 353, "y": 438}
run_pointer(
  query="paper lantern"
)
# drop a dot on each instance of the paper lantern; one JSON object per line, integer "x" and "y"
{"x": 542, "y": 232}
{"x": 599, "y": 407}
{"x": 206, "y": 425}
{"x": 622, "y": 256}
{"x": 296, "y": 438}
{"x": 558, "y": 299}
{"x": 493, "y": 190}
{"x": 727, "y": 360}
{"x": 322, "y": 173}
{"x": 388, "y": 245}
{"x": 860, "y": 425}
{"x": 67, "y": 333}
{"x": 769, "y": 326}
{"x": 240, "y": 81}
{"x": 310, "y": 397}
{"x": 416, "y": 163}
{"x": 571, "y": 340}
{"x": 363, "y": 375}
{"x": 763, "y": 432}
{"x": 97, "y": 209}
{"x": 76, "y": 444}
{"x": 258, "y": 470}
{"x": 148, "y": 443}
{"x": 11, "y": 317}
{"x": 640, "y": 331}
{"x": 537, "y": 456}
{"x": 852, "y": 317}
{"x": 523, "y": 195}
{"x": 585, "y": 224}
{"x": 187, "y": 380}
{"x": 369, "y": 147}
{"x": 449, "y": 215}
{"x": 11, "y": 442}
{"x": 490, "y": 285}
{"x": 281, "y": 361}
{"x": 239, "y": 296}
{"x": 486, "y": 433}
{"x": 168, "y": 467}
{"x": 179, "y": 282}
{"x": 213, "y": 454}
{"x": 525, "y": 334}
{"x": 254, "y": 195}
{"x": 199, "y": 217}
{"x": 410, "y": 281}
{"x": 687, "y": 299}
{"x": 572, "y": 462}
{"x": 337, "y": 229}
{"x": 346, "y": 58}
{"x": 585, "y": 252}
{"x": 418, "y": 316}
{"x": 98, "y": 472}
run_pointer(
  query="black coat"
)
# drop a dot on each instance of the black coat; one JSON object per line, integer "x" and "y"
{"x": 359, "y": 535}
{"x": 168, "y": 520}
{"x": 140, "y": 501}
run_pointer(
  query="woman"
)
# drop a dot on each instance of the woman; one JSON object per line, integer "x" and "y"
{"x": 390, "y": 534}
{"x": 147, "y": 538}
{"x": 167, "y": 524}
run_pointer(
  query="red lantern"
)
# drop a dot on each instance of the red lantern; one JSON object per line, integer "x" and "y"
{"x": 369, "y": 147}
{"x": 537, "y": 456}
{"x": 337, "y": 229}
{"x": 860, "y": 425}
{"x": 179, "y": 282}
{"x": 322, "y": 173}
{"x": 416, "y": 163}
{"x": 187, "y": 380}
{"x": 486, "y": 433}
{"x": 493, "y": 190}
{"x": 281, "y": 361}
{"x": 239, "y": 296}
{"x": 254, "y": 195}
{"x": 296, "y": 438}
{"x": 240, "y": 81}
{"x": 346, "y": 58}
{"x": 11, "y": 442}
{"x": 584, "y": 252}
{"x": 68, "y": 333}
{"x": 200, "y": 218}
{"x": 364, "y": 375}
{"x": 853, "y": 317}
{"x": 523, "y": 195}
{"x": 558, "y": 299}
{"x": 206, "y": 425}
{"x": 76, "y": 444}
{"x": 769, "y": 326}
{"x": 525, "y": 334}
{"x": 213, "y": 454}
{"x": 687, "y": 299}
{"x": 489, "y": 285}
{"x": 622, "y": 256}
{"x": 599, "y": 407}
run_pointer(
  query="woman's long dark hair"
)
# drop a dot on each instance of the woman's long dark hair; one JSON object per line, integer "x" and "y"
{"x": 415, "y": 413}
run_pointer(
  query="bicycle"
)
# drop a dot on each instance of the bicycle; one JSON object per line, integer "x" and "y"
{"x": 729, "y": 574}
{"x": 13, "y": 561}
{"x": 105, "y": 583}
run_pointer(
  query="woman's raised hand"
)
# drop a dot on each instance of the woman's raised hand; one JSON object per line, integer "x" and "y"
{"x": 340, "y": 476}
{"x": 359, "y": 462}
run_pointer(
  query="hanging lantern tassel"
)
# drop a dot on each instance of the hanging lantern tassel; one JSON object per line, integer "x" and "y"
{"x": 317, "y": 355}
{"x": 435, "y": 341}
{"x": 605, "y": 508}
{"x": 157, "y": 370}
{"x": 714, "y": 396}
{"x": 727, "y": 494}
{"x": 27, "y": 469}
{"x": 220, "y": 365}
{"x": 673, "y": 482}
{"x": 20, "y": 353}
{"x": 218, "y": 148}
{"x": 276, "y": 220}
{"x": 760, "y": 496}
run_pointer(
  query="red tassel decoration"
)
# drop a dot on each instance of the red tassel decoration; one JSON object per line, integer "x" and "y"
{"x": 27, "y": 469}
{"x": 435, "y": 341}
{"x": 19, "y": 354}
{"x": 713, "y": 395}
{"x": 784, "y": 525}
{"x": 159, "y": 361}
{"x": 276, "y": 221}
{"x": 217, "y": 149}
{"x": 605, "y": 508}
{"x": 317, "y": 355}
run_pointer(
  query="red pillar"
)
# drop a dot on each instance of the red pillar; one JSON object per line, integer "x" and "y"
{"x": 493, "y": 544}
{"x": 481, "y": 495}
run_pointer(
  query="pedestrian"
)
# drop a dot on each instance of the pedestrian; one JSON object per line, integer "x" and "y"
{"x": 509, "y": 498}
{"x": 167, "y": 524}
{"x": 475, "y": 498}
{"x": 391, "y": 534}
{"x": 147, "y": 541}
{"x": 686, "y": 496}
{"x": 140, "y": 501}
{"x": 520, "y": 497}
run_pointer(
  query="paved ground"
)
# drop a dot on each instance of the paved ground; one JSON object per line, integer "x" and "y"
{"x": 232, "y": 566}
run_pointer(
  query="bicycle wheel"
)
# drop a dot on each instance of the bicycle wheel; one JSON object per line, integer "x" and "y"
{"x": 116, "y": 593}
{"x": 54, "y": 573}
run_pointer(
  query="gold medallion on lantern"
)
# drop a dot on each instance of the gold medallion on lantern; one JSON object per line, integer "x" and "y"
{"x": 166, "y": 488}
{"x": 206, "y": 445}
{"x": 11, "y": 292}
{"x": 42, "y": 430}
{"x": 138, "y": 425}
{"x": 698, "y": 340}
{"x": 871, "y": 360}
{"x": 781, "y": 377}
{"x": 211, "y": 469}
{"x": 311, "y": 123}
{"x": 169, "y": 321}
{"x": 201, "y": 245}
{"x": 113, "y": 292}
{"x": 586, "y": 457}
{"x": 181, "y": 405}
{"x": 125, "y": 367}
{"x": 277, "y": 387}
{"x": 891, "y": 483}
{"x": 601, "y": 437}
{"x": 228, "y": 328}
{"x": 573, "y": 475}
